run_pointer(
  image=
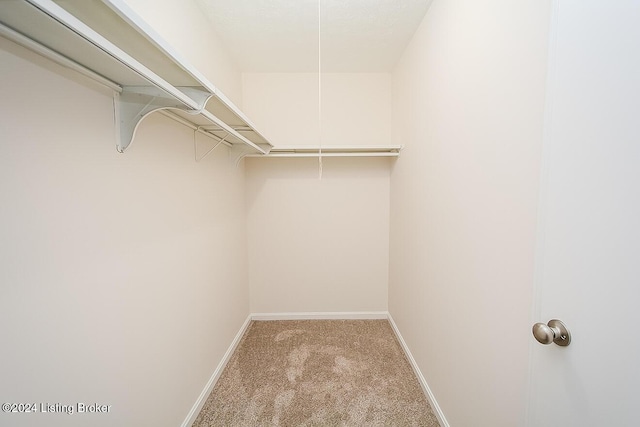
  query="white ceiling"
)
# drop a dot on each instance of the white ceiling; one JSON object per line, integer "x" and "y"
{"x": 282, "y": 35}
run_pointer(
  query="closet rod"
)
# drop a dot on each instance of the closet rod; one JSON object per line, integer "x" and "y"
{"x": 191, "y": 126}
{"x": 329, "y": 154}
{"x": 236, "y": 128}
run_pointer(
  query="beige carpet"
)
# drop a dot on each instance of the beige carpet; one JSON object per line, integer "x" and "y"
{"x": 318, "y": 373}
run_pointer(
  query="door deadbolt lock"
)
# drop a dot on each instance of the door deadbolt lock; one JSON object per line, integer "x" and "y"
{"x": 555, "y": 331}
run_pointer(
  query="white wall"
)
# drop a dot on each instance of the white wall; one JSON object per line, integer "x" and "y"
{"x": 123, "y": 276}
{"x": 356, "y": 107}
{"x": 468, "y": 105}
{"x": 318, "y": 245}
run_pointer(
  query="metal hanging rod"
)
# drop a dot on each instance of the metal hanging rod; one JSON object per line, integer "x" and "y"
{"x": 334, "y": 151}
{"x": 329, "y": 154}
{"x": 200, "y": 129}
{"x": 236, "y": 128}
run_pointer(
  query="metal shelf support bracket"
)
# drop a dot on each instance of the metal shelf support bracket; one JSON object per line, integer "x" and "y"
{"x": 135, "y": 103}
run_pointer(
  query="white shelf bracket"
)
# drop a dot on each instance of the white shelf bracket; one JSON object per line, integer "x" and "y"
{"x": 135, "y": 103}
{"x": 195, "y": 144}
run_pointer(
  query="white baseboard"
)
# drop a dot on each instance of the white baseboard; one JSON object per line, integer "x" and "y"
{"x": 195, "y": 410}
{"x": 343, "y": 315}
{"x": 423, "y": 382}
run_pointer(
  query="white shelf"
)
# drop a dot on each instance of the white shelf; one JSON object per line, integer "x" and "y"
{"x": 334, "y": 151}
{"x": 107, "y": 41}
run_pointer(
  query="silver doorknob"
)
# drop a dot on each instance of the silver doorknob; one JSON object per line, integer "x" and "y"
{"x": 554, "y": 331}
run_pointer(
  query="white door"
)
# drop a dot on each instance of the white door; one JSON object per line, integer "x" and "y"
{"x": 588, "y": 255}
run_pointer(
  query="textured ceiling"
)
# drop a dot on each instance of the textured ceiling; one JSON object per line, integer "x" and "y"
{"x": 282, "y": 35}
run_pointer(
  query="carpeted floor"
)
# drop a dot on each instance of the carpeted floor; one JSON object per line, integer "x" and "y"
{"x": 318, "y": 373}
